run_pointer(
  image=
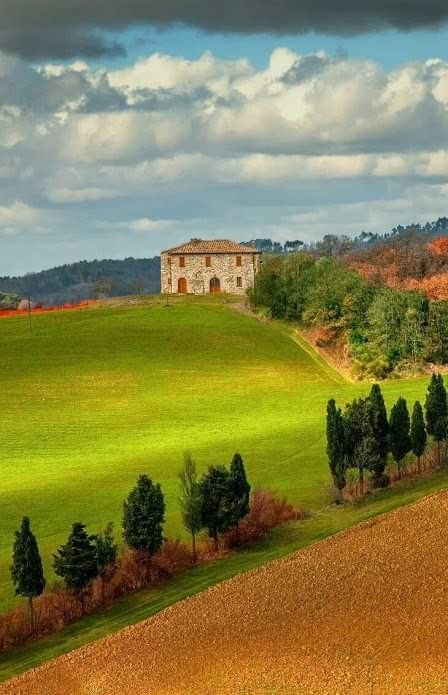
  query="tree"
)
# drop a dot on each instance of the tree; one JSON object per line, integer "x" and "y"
{"x": 418, "y": 432}
{"x": 190, "y": 500}
{"x": 380, "y": 428}
{"x": 143, "y": 516}
{"x": 106, "y": 554}
{"x": 76, "y": 561}
{"x": 437, "y": 411}
{"x": 400, "y": 440}
{"x": 336, "y": 447}
{"x": 26, "y": 569}
{"x": 240, "y": 490}
{"x": 216, "y": 492}
{"x": 360, "y": 454}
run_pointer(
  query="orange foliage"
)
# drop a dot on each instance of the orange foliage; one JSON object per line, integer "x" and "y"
{"x": 435, "y": 287}
{"x": 438, "y": 247}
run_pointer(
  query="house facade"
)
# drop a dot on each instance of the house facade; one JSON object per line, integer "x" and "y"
{"x": 207, "y": 267}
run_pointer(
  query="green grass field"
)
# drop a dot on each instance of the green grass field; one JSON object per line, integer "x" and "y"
{"x": 93, "y": 398}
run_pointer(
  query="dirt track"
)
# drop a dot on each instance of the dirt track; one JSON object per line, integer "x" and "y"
{"x": 365, "y": 612}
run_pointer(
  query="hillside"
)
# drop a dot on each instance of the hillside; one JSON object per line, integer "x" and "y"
{"x": 362, "y": 613}
{"x": 86, "y": 279}
{"x": 94, "y": 398}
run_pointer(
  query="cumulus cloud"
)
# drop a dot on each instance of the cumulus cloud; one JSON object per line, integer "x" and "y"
{"x": 50, "y": 28}
{"x": 168, "y": 147}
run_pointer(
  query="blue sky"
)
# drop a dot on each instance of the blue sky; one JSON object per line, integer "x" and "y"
{"x": 217, "y": 135}
{"x": 389, "y": 48}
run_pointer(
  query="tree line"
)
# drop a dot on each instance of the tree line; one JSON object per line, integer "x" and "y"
{"x": 217, "y": 502}
{"x": 385, "y": 329}
{"x": 362, "y": 437}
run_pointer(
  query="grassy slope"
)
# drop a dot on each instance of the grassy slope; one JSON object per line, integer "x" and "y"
{"x": 94, "y": 398}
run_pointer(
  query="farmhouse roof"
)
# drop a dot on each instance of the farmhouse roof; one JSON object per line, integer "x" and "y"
{"x": 212, "y": 246}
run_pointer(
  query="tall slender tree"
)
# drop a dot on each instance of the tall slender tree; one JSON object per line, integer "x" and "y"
{"x": 76, "y": 561}
{"x": 190, "y": 500}
{"x": 400, "y": 439}
{"x": 106, "y": 555}
{"x": 336, "y": 447}
{"x": 144, "y": 516}
{"x": 380, "y": 429}
{"x": 240, "y": 491}
{"x": 418, "y": 433}
{"x": 26, "y": 569}
{"x": 361, "y": 447}
{"x": 437, "y": 412}
{"x": 216, "y": 491}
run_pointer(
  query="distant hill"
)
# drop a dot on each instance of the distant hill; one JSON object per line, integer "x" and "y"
{"x": 87, "y": 279}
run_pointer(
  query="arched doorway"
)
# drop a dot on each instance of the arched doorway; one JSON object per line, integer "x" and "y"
{"x": 215, "y": 285}
{"x": 182, "y": 286}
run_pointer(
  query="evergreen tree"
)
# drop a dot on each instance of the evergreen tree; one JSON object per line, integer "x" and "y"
{"x": 400, "y": 439}
{"x": 106, "y": 554}
{"x": 26, "y": 569}
{"x": 357, "y": 428}
{"x": 76, "y": 561}
{"x": 336, "y": 447}
{"x": 143, "y": 516}
{"x": 190, "y": 500}
{"x": 380, "y": 428}
{"x": 418, "y": 432}
{"x": 437, "y": 411}
{"x": 240, "y": 490}
{"x": 216, "y": 492}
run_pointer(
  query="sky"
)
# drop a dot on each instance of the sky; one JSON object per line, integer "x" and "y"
{"x": 126, "y": 128}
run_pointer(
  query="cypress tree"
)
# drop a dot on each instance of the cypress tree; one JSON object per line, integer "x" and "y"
{"x": 357, "y": 428}
{"x": 190, "y": 500}
{"x": 380, "y": 428}
{"x": 76, "y": 560}
{"x": 106, "y": 554}
{"x": 400, "y": 440}
{"x": 418, "y": 432}
{"x": 336, "y": 447}
{"x": 240, "y": 490}
{"x": 143, "y": 516}
{"x": 26, "y": 569}
{"x": 216, "y": 492}
{"x": 437, "y": 411}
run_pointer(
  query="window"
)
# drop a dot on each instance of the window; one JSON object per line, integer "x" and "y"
{"x": 169, "y": 260}
{"x": 182, "y": 262}
{"x": 238, "y": 261}
{"x": 239, "y": 282}
{"x": 208, "y": 262}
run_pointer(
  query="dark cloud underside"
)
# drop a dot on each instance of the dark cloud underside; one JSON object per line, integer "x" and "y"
{"x": 69, "y": 28}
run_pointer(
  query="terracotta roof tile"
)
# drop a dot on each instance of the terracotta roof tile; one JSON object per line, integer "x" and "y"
{"x": 211, "y": 246}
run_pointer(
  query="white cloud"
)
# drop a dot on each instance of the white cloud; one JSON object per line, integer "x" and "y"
{"x": 170, "y": 146}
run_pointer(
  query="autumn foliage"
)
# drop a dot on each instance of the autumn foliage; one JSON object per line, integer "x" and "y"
{"x": 135, "y": 570}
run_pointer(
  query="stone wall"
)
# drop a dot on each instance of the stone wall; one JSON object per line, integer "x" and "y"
{"x": 198, "y": 276}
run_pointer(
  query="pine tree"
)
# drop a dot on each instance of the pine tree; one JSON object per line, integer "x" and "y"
{"x": 26, "y": 569}
{"x": 190, "y": 500}
{"x": 240, "y": 490}
{"x": 143, "y": 517}
{"x": 216, "y": 492}
{"x": 418, "y": 433}
{"x": 437, "y": 412}
{"x": 336, "y": 447}
{"x": 106, "y": 554}
{"x": 400, "y": 440}
{"x": 76, "y": 561}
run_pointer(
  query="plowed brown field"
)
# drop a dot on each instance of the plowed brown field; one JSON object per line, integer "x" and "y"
{"x": 364, "y": 612}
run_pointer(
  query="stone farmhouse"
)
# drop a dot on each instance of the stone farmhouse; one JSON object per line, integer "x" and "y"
{"x": 204, "y": 267}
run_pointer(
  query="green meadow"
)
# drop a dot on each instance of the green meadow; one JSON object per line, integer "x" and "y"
{"x": 93, "y": 398}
